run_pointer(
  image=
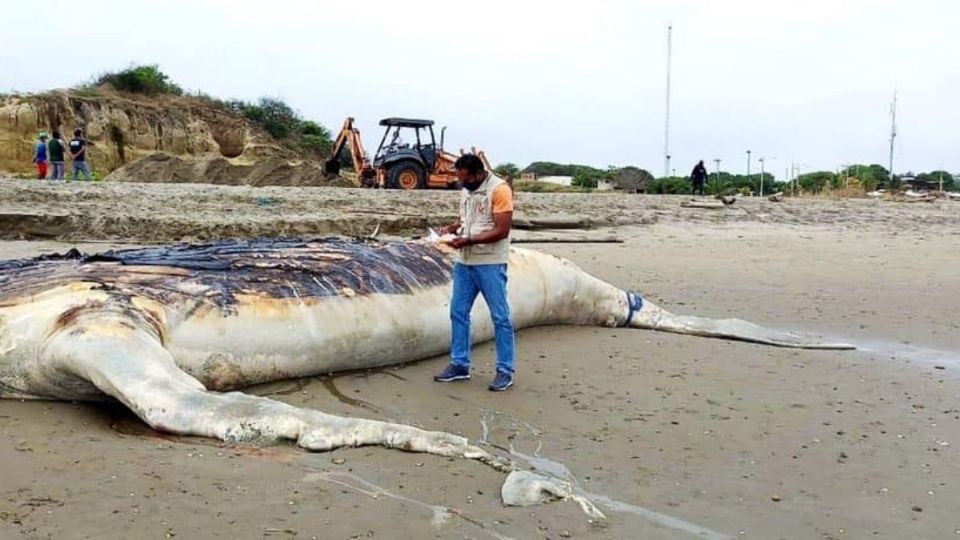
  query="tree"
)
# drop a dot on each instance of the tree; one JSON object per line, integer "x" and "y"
{"x": 584, "y": 179}
{"x": 934, "y": 177}
{"x": 507, "y": 170}
{"x": 870, "y": 177}
{"x": 814, "y": 182}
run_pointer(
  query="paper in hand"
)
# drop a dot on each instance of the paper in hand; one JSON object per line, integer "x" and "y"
{"x": 440, "y": 239}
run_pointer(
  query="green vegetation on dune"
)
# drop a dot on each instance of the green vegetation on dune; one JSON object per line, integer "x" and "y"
{"x": 280, "y": 121}
{"x": 273, "y": 115}
{"x": 147, "y": 80}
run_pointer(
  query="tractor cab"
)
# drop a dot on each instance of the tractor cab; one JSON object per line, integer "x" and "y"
{"x": 409, "y": 142}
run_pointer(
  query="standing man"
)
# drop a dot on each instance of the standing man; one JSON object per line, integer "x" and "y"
{"x": 56, "y": 148}
{"x": 486, "y": 211}
{"x": 78, "y": 151}
{"x": 699, "y": 177}
{"x": 40, "y": 155}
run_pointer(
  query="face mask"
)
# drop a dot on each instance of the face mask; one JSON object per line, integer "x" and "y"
{"x": 472, "y": 186}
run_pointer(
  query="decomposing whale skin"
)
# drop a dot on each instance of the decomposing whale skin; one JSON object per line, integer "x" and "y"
{"x": 170, "y": 330}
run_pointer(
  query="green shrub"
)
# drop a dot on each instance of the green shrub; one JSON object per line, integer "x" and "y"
{"x": 275, "y": 116}
{"x": 147, "y": 80}
{"x": 317, "y": 143}
{"x": 309, "y": 127}
{"x": 716, "y": 186}
{"x": 671, "y": 185}
{"x": 283, "y": 123}
{"x": 87, "y": 91}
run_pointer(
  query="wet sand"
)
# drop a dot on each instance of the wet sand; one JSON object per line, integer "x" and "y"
{"x": 687, "y": 434}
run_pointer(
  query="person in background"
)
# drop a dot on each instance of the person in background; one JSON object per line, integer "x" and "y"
{"x": 56, "y": 148}
{"x": 78, "y": 151}
{"x": 40, "y": 155}
{"x": 699, "y": 177}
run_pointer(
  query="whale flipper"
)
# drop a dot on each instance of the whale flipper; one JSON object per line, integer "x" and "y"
{"x": 131, "y": 365}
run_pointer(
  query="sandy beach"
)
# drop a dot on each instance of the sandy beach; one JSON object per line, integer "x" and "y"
{"x": 672, "y": 436}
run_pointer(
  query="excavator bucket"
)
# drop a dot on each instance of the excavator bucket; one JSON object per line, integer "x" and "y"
{"x": 331, "y": 166}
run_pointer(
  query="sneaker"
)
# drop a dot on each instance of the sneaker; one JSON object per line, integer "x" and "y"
{"x": 453, "y": 373}
{"x": 501, "y": 382}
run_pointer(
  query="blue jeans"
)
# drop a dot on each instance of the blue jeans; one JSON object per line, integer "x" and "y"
{"x": 58, "y": 170}
{"x": 81, "y": 166}
{"x": 491, "y": 281}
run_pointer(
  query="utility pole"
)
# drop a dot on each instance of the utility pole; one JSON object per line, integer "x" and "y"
{"x": 893, "y": 131}
{"x": 796, "y": 176}
{"x": 716, "y": 162}
{"x": 748, "y": 166}
{"x": 941, "y": 180}
{"x": 786, "y": 176}
{"x": 666, "y": 127}
{"x": 795, "y": 173}
{"x": 762, "y": 160}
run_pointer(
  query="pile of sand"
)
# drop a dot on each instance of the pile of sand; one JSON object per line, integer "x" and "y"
{"x": 212, "y": 168}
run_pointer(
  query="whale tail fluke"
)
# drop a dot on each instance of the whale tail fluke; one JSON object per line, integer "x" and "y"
{"x": 645, "y": 314}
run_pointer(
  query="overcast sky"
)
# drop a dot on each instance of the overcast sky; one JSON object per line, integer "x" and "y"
{"x": 581, "y": 82}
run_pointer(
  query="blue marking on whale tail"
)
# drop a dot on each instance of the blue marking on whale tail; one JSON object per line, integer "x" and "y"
{"x": 635, "y": 304}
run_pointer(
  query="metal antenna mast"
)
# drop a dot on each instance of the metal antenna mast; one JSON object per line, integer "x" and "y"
{"x": 666, "y": 127}
{"x": 893, "y": 131}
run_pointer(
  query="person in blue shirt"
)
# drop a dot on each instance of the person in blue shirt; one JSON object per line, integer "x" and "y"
{"x": 40, "y": 156}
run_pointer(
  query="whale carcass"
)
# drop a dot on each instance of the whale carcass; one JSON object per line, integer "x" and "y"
{"x": 170, "y": 331}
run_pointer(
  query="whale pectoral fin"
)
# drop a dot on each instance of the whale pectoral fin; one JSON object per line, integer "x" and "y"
{"x": 135, "y": 368}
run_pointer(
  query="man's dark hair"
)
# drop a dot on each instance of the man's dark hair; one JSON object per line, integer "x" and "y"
{"x": 470, "y": 163}
{"x": 78, "y": 132}
{"x": 56, "y": 134}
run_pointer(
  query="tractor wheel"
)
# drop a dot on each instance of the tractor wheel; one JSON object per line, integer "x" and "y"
{"x": 406, "y": 175}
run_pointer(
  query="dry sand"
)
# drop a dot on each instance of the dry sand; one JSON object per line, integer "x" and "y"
{"x": 745, "y": 440}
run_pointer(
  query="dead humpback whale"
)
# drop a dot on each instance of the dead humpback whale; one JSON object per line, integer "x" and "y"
{"x": 168, "y": 331}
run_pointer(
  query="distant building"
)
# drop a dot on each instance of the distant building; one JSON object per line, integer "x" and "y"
{"x": 528, "y": 176}
{"x": 605, "y": 185}
{"x": 917, "y": 184}
{"x": 558, "y": 180}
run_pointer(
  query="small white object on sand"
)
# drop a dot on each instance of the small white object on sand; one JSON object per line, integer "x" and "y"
{"x": 524, "y": 488}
